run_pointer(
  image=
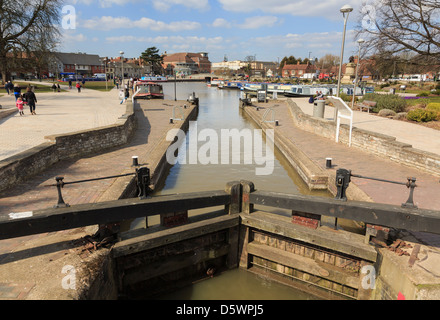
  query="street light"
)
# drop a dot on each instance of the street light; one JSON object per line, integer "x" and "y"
{"x": 122, "y": 66}
{"x": 104, "y": 61}
{"x": 360, "y": 41}
{"x": 345, "y": 12}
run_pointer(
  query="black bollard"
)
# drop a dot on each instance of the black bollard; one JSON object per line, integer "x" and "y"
{"x": 61, "y": 203}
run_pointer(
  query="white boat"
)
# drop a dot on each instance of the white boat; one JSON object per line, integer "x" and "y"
{"x": 154, "y": 78}
{"x": 215, "y": 82}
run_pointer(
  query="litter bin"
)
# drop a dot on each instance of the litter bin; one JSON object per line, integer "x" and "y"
{"x": 318, "y": 108}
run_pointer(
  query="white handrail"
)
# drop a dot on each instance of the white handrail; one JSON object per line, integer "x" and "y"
{"x": 345, "y": 116}
{"x": 133, "y": 96}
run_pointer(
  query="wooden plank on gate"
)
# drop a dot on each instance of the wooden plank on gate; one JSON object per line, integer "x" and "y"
{"x": 56, "y": 219}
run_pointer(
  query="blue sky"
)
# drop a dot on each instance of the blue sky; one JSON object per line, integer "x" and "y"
{"x": 267, "y": 29}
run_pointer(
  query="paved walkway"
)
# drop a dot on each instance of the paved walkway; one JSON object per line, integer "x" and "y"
{"x": 318, "y": 148}
{"x": 21, "y": 259}
{"x": 418, "y": 136}
{"x": 57, "y": 113}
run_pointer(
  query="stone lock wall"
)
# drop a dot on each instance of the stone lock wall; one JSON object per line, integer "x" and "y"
{"x": 35, "y": 160}
{"x": 376, "y": 143}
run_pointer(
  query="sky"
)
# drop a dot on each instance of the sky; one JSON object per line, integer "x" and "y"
{"x": 266, "y": 29}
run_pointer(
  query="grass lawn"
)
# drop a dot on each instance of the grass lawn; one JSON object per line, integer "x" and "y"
{"x": 95, "y": 85}
{"x": 37, "y": 88}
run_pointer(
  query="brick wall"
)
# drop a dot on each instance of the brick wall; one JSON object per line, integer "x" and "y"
{"x": 35, "y": 160}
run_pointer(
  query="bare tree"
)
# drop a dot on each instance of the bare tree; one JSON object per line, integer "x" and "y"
{"x": 402, "y": 26}
{"x": 23, "y": 25}
{"x": 328, "y": 61}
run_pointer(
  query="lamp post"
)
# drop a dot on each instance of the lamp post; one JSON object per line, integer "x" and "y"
{"x": 104, "y": 62}
{"x": 345, "y": 12}
{"x": 122, "y": 67}
{"x": 360, "y": 41}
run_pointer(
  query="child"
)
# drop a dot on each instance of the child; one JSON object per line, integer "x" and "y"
{"x": 19, "y": 105}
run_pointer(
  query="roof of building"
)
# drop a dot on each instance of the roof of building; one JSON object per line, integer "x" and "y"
{"x": 78, "y": 58}
{"x": 187, "y": 57}
{"x": 296, "y": 66}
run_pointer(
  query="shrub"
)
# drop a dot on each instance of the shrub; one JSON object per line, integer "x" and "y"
{"x": 386, "y": 101}
{"x": 400, "y": 116}
{"x": 423, "y": 94}
{"x": 422, "y": 115}
{"x": 435, "y": 106}
{"x": 345, "y": 97}
{"x": 386, "y": 113}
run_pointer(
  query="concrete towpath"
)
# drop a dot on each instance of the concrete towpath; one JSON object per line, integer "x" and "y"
{"x": 363, "y": 163}
{"x": 56, "y": 113}
{"x": 420, "y": 137}
{"x": 31, "y": 267}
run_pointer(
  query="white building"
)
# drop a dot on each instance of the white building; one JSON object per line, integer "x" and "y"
{"x": 231, "y": 65}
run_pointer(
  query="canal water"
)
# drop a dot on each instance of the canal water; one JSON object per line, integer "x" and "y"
{"x": 219, "y": 109}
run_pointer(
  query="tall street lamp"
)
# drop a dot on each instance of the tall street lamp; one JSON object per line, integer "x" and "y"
{"x": 345, "y": 12}
{"x": 104, "y": 62}
{"x": 360, "y": 42}
{"x": 122, "y": 66}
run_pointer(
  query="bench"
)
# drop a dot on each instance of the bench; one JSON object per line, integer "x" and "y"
{"x": 368, "y": 105}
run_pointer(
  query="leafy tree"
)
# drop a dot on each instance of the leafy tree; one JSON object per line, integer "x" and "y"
{"x": 22, "y": 24}
{"x": 153, "y": 58}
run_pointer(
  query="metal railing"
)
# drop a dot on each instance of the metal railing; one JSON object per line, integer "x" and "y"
{"x": 142, "y": 177}
{"x": 238, "y": 197}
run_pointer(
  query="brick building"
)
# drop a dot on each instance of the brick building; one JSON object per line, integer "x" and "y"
{"x": 297, "y": 70}
{"x": 186, "y": 63}
{"x": 77, "y": 63}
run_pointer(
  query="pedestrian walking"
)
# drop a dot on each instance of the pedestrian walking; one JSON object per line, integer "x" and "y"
{"x": 17, "y": 92}
{"x": 70, "y": 84}
{"x": 31, "y": 99}
{"x": 54, "y": 87}
{"x": 7, "y": 87}
{"x": 19, "y": 103}
{"x": 78, "y": 86}
{"x": 127, "y": 94}
{"x": 10, "y": 86}
{"x": 58, "y": 87}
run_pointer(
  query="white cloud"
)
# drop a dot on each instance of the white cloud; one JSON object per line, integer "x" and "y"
{"x": 104, "y": 3}
{"x": 173, "y": 43}
{"x": 319, "y": 43}
{"x": 249, "y": 23}
{"x": 221, "y": 23}
{"x": 70, "y": 37}
{"x": 293, "y": 7}
{"x": 259, "y": 22}
{"x": 109, "y": 23}
{"x": 164, "y": 5}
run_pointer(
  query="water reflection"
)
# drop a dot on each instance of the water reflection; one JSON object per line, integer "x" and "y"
{"x": 238, "y": 284}
{"x": 219, "y": 109}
